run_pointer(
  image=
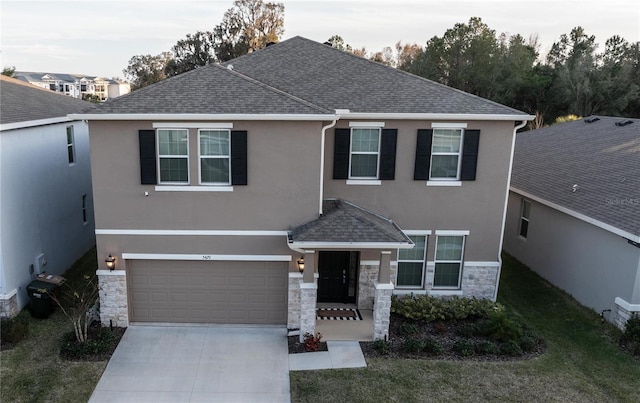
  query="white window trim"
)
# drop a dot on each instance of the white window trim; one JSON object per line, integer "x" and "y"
{"x": 425, "y": 234}
{"x": 443, "y": 125}
{"x": 453, "y": 232}
{"x": 367, "y": 125}
{"x": 523, "y": 218}
{"x": 71, "y": 145}
{"x": 444, "y": 183}
{"x": 186, "y": 188}
{"x": 192, "y": 125}
{"x": 351, "y": 152}
{"x": 459, "y": 154}
{"x": 200, "y": 158}
{"x": 188, "y": 182}
{"x": 436, "y": 261}
{"x": 365, "y": 182}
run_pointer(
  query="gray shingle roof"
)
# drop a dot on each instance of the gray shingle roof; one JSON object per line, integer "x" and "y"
{"x": 22, "y": 102}
{"x": 335, "y": 79}
{"x": 210, "y": 89}
{"x": 344, "y": 222}
{"x": 603, "y": 159}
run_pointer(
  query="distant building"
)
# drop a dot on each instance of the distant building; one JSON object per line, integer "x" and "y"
{"x": 76, "y": 85}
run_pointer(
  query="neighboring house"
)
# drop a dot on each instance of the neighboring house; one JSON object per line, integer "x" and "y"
{"x": 46, "y": 203}
{"x": 76, "y": 85}
{"x": 574, "y": 211}
{"x": 210, "y": 187}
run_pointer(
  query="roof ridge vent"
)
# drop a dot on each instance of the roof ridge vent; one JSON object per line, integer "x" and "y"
{"x": 591, "y": 119}
{"x": 624, "y": 122}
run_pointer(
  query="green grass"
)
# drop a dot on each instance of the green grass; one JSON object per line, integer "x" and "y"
{"x": 34, "y": 372}
{"x": 582, "y": 362}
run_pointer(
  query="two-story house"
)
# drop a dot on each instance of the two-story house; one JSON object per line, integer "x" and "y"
{"x": 76, "y": 85}
{"x": 46, "y": 209}
{"x": 298, "y": 174}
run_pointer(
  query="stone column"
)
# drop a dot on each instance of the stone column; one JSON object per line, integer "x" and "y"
{"x": 382, "y": 310}
{"x": 112, "y": 289}
{"x": 308, "y": 295}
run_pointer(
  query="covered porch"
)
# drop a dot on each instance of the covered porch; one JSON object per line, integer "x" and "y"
{"x": 345, "y": 264}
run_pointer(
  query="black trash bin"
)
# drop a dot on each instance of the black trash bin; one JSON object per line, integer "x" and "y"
{"x": 41, "y": 305}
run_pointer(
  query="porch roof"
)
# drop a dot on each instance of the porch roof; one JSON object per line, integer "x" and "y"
{"x": 345, "y": 225}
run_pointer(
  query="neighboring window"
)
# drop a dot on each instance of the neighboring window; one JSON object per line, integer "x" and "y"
{"x": 84, "y": 209}
{"x": 83, "y": 87}
{"x": 525, "y": 210}
{"x": 52, "y": 87}
{"x": 365, "y": 150}
{"x": 445, "y": 154}
{"x": 448, "y": 263}
{"x": 215, "y": 156}
{"x": 173, "y": 155}
{"x": 71, "y": 153}
{"x": 411, "y": 263}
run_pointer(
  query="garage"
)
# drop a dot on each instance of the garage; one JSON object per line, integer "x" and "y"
{"x": 207, "y": 291}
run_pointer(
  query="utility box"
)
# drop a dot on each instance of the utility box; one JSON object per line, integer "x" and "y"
{"x": 41, "y": 304}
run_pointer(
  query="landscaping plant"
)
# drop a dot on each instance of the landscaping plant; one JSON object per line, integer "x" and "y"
{"x": 75, "y": 304}
{"x": 311, "y": 342}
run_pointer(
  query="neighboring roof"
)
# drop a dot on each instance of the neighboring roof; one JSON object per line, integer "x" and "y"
{"x": 36, "y": 77}
{"x": 210, "y": 89}
{"x": 601, "y": 158}
{"x": 345, "y": 223}
{"x": 301, "y": 77}
{"x": 335, "y": 79}
{"x": 22, "y": 102}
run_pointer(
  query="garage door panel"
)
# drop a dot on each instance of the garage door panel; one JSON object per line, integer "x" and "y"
{"x": 208, "y": 292}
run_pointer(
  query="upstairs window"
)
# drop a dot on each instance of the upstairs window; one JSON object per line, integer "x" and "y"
{"x": 365, "y": 153}
{"x": 173, "y": 156}
{"x": 448, "y": 262}
{"x": 215, "y": 157}
{"x": 71, "y": 152}
{"x": 525, "y": 211}
{"x": 445, "y": 154}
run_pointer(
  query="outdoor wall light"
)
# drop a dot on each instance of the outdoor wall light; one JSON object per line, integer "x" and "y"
{"x": 301, "y": 264}
{"x": 111, "y": 262}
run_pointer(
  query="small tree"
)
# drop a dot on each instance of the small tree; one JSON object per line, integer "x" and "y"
{"x": 75, "y": 303}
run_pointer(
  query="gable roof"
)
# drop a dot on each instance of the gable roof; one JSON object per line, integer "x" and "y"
{"x": 300, "y": 77}
{"x": 211, "y": 89}
{"x": 22, "y": 102}
{"x": 601, "y": 158}
{"x": 344, "y": 223}
{"x": 335, "y": 79}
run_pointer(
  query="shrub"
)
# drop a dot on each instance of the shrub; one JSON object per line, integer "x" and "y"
{"x": 511, "y": 347}
{"x": 13, "y": 330}
{"x": 528, "y": 343}
{"x": 501, "y": 327}
{"x": 428, "y": 309}
{"x": 487, "y": 347}
{"x": 382, "y": 346}
{"x": 439, "y": 327}
{"x": 468, "y": 329}
{"x": 464, "y": 347}
{"x": 408, "y": 329}
{"x": 311, "y": 342}
{"x": 412, "y": 345}
{"x": 432, "y": 346}
{"x": 103, "y": 343}
{"x": 632, "y": 329}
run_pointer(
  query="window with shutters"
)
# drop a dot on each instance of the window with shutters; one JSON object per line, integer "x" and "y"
{"x": 365, "y": 153}
{"x": 215, "y": 157}
{"x": 173, "y": 156}
{"x": 446, "y": 147}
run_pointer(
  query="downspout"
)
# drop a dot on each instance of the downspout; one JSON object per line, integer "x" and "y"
{"x": 324, "y": 131}
{"x": 506, "y": 202}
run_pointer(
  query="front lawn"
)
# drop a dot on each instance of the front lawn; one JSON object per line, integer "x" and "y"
{"x": 33, "y": 371}
{"x": 582, "y": 361}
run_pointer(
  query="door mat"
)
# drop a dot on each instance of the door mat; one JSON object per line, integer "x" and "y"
{"x": 338, "y": 314}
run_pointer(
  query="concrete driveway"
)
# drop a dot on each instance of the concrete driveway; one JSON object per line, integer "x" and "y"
{"x": 197, "y": 364}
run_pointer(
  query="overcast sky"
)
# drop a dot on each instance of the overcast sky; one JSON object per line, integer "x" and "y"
{"x": 99, "y": 37}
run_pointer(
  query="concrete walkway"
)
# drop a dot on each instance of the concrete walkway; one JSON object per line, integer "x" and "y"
{"x": 197, "y": 364}
{"x": 341, "y": 354}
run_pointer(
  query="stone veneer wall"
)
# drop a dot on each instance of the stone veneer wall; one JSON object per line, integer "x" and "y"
{"x": 9, "y": 305}
{"x": 293, "y": 316}
{"x": 479, "y": 281}
{"x": 112, "y": 288}
{"x": 308, "y": 304}
{"x": 367, "y": 279}
{"x": 382, "y": 310}
{"x": 624, "y": 312}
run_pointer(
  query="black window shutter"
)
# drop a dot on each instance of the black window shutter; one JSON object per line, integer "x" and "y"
{"x": 423, "y": 154}
{"x": 148, "y": 170}
{"x": 388, "y": 154}
{"x": 238, "y": 157}
{"x": 470, "y": 155}
{"x": 341, "y": 154}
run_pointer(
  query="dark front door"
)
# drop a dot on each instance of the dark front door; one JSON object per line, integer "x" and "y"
{"x": 337, "y": 280}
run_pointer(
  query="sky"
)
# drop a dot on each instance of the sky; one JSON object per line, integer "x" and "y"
{"x": 98, "y": 38}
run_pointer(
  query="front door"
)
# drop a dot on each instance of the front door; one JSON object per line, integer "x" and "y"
{"x": 338, "y": 277}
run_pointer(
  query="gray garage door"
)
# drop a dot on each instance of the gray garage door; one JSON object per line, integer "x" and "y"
{"x": 208, "y": 292}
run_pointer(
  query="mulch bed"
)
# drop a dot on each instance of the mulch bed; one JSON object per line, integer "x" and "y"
{"x": 446, "y": 334}
{"x": 296, "y": 347}
{"x": 102, "y": 347}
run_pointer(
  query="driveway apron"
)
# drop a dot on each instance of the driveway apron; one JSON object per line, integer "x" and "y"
{"x": 197, "y": 364}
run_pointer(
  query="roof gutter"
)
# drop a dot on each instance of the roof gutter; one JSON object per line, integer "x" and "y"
{"x": 506, "y": 201}
{"x": 324, "y": 132}
{"x": 202, "y": 116}
{"x": 346, "y": 114}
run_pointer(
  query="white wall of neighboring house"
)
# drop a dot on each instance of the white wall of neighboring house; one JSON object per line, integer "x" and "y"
{"x": 41, "y": 203}
{"x": 116, "y": 90}
{"x": 594, "y": 265}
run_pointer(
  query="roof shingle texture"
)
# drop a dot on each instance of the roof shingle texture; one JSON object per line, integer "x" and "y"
{"x": 344, "y": 222}
{"x": 601, "y": 158}
{"x": 22, "y": 102}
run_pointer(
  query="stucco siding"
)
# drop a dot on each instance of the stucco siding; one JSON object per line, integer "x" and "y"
{"x": 593, "y": 265}
{"x": 41, "y": 202}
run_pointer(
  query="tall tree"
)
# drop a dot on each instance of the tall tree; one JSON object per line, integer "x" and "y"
{"x": 194, "y": 51}
{"x": 146, "y": 69}
{"x": 249, "y": 25}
